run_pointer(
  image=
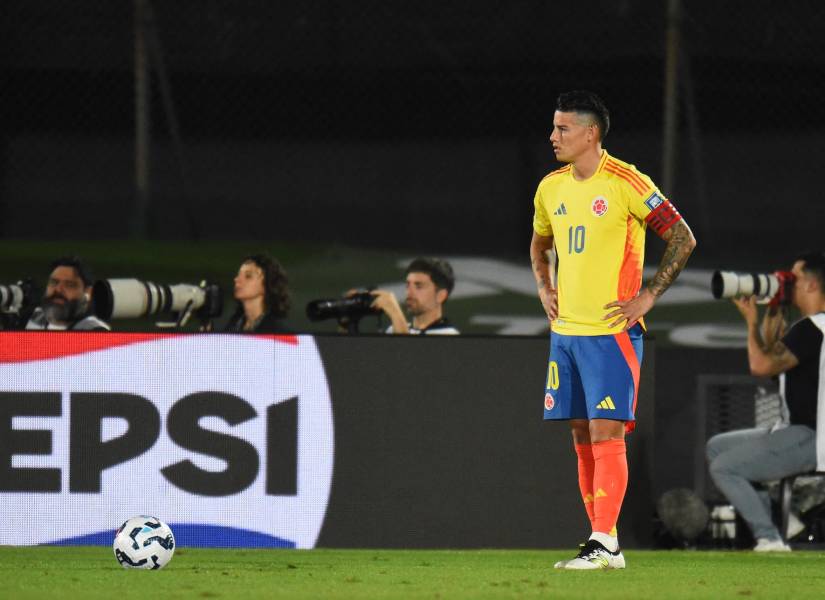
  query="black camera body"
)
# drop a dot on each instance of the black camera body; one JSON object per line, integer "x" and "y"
{"x": 349, "y": 308}
{"x": 212, "y": 307}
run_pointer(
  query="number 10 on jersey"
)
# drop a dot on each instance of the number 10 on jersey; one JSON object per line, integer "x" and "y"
{"x": 575, "y": 239}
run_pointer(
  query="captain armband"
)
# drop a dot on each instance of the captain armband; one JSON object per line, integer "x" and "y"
{"x": 663, "y": 215}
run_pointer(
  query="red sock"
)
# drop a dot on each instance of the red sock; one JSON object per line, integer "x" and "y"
{"x": 586, "y": 467}
{"x": 610, "y": 483}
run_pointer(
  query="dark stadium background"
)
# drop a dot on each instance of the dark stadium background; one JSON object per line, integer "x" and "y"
{"x": 405, "y": 125}
{"x": 404, "y": 128}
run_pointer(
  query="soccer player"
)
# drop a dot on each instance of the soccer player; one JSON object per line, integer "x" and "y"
{"x": 590, "y": 218}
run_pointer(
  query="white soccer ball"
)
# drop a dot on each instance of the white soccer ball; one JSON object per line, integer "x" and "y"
{"x": 144, "y": 543}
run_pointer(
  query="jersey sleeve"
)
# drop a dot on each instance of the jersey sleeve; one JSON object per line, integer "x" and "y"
{"x": 650, "y": 205}
{"x": 803, "y": 339}
{"x": 541, "y": 221}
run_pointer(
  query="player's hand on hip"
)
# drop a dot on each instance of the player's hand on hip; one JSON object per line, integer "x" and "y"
{"x": 630, "y": 311}
{"x": 550, "y": 301}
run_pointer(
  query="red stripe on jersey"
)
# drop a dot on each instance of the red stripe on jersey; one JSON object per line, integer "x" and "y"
{"x": 609, "y": 169}
{"x": 557, "y": 172}
{"x": 630, "y": 173}
{"x": 663, "y": 217}
{"x": 638, "y": 184}
{"x": 630, "y": 274}
{"x": 626, "y": 346}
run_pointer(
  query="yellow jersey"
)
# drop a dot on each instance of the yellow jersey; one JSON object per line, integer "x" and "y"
{"x": 598, "y": 226}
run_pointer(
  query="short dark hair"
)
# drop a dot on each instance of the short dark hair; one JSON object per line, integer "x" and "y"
{"x": 438, "y": 269}
{"x": 81, "y": 268}
{"x": 584, "y": 102}
{"x": 814, "y": 265}
{"x": 276, "y": 283}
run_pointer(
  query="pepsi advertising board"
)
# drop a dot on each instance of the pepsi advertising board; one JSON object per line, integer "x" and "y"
{"x": 295, "y": 441}
{"x": 229, "y": 438}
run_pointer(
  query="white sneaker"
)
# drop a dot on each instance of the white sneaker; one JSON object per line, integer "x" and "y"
{"x": 766, "y": 545}
{"x": 562, "y": 563}
{"x": 595, "y": 556}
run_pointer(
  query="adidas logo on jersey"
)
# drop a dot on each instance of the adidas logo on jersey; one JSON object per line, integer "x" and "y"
{"x": 607, "y": 403}
{"x": 561, "y": 210}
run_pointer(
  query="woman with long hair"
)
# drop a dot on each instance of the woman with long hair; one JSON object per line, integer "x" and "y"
{"x": 262, "y": 293}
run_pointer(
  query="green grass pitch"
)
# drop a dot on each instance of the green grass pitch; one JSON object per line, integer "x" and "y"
{"x": 92, "y": 572}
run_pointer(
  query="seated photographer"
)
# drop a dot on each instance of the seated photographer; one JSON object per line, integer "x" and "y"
{"x": 66, "y": 305}
{"x": 430, "y": 282}
{"x": 739, "y": 458}
{"x": 262, "y": 295}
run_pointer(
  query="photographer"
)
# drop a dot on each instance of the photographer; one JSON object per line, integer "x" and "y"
{"x": 738, "y": 458}
{"x": 66, "y": 305}
{"x": 430, "y": 282}
{"x": 263, "y": 297}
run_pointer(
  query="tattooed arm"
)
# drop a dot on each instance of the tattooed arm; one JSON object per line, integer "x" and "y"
{"x": 680, "y": 244}
{"x": 543, "y": 260}
{"x": 765, "y": 358}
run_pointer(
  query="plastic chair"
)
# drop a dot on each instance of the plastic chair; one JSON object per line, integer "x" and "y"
{"x": 785, "y": 493}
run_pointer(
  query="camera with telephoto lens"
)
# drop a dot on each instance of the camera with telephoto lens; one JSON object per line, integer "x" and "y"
{"x": 769, "y": 288}
{"x": 15, "y": 298}
{"x": 349, "y": 308}
{"x": 133, "y": 298}
{"x": 17, "y": 302}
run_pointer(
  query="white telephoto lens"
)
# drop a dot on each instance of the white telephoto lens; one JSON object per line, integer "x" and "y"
{"x": 730, "y": 284}
{"x": 768, "y": 287}
{"x": 11, "y": 298}
{"x": 183, "y": 294}
{"x": 129, "y": 298}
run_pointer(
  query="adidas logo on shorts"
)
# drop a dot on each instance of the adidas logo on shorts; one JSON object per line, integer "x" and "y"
{"x": 607, "y": 404}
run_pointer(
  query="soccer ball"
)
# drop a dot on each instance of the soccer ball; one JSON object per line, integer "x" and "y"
{"x": 144, "y": 543}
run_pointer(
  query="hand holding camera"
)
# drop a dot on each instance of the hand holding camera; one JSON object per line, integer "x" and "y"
{"x": 748, "y": 290}
{"x": 747, "y": 308}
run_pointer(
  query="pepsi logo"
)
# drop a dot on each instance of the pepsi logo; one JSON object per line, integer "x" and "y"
{"x": 232, "y": 436}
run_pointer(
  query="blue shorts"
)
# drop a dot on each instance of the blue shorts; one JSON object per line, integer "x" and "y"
{"x": 594, "y": 377}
